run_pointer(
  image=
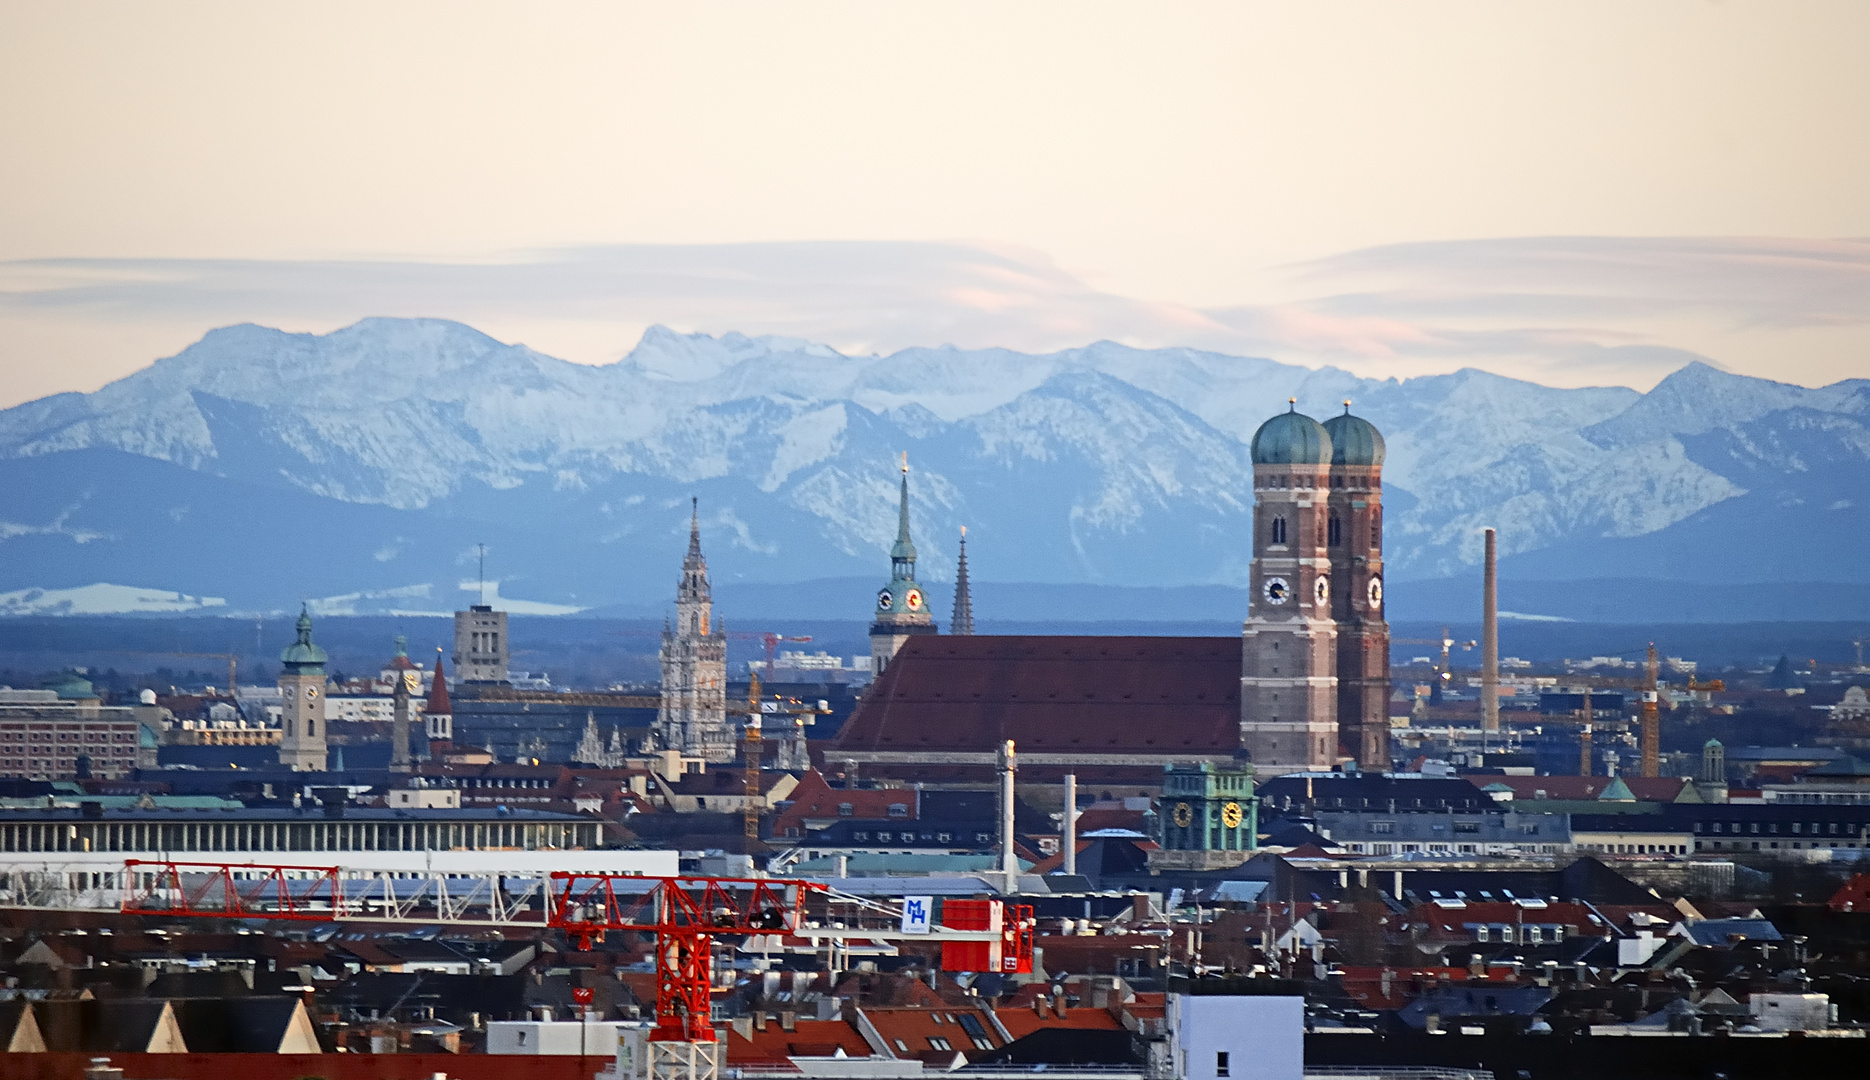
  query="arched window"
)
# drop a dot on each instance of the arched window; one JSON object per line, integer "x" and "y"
{"x": 1279, "y": 530}
{"x": 311, "y": 729}
{"x": 1334, "y": 534}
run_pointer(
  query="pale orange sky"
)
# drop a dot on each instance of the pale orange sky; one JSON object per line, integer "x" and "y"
{"x": 1157, "y": 166}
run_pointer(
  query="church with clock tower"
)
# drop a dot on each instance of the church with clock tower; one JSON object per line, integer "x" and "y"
{"x": 902, "y": 607}
{"x": 1305, "y": 686}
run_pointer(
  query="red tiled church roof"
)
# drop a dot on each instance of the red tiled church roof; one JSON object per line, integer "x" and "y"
{"x": 1053, "y": 695}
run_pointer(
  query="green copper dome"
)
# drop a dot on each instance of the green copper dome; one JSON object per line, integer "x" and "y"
{"x": 302, "y": 657}
{"x": 1354, "y": 440}
{"x": 1291, "y": 438}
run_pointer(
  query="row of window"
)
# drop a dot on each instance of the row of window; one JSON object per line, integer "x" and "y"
{"x": 294, "y": 836}
{"x": 1334, "y": 529}
{"x": 76, "y": 737}
{"x": 863, "y": 837}
{"x": 1386, "y": 828}
{"x": 1796, "y": 828}
{"x": 897, "y": 810}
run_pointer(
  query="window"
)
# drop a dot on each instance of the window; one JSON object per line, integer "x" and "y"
{"x": 860, "y": 837}
{"x": 1220, "y": 1063}
{"x": 1334, "y": 532}
{"x": 899, "y": 810}
{"x": 1279, "y": 530}
{"x": 936, "y": 1042}
{"x": 1382, "y": 828}
{"x": 1467, "y": 826}
{"x": 844, "y": 809}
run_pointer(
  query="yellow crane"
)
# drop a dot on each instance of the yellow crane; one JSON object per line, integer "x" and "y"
{"x": 1443, "y": 674}
{"x": 750, "y": 813}
{"x": 232, "y": 664}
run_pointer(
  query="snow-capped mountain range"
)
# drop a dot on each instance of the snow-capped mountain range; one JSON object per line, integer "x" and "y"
{"x": 364, "y": 467}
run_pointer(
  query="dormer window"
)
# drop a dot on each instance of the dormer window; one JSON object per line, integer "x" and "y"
{"x": 844, "y": 809}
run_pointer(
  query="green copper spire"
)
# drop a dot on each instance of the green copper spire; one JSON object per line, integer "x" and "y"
{"x": 902, "y": 596}
{"x": 905, "y": 549}
{"x": 302, "y": 657}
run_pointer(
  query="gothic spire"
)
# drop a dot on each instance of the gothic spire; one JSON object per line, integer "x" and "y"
{"x": 963, "y": 621}
{"x": 694, "y": 587}
{"x": 903, "y": 554}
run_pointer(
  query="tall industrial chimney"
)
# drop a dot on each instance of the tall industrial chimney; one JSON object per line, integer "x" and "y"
{"x": 1070, "y": 844}
{"x": 1490, "y": 642}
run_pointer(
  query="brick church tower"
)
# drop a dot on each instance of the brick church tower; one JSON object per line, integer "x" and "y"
{"x": 1289, "y": 671}
{"x": 1354, "y": 539}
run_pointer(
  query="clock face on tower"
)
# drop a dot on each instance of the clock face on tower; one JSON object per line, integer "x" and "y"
{"x": 914, "y": 599}
{"x": 311, "y": 692}
{"x": 412, "y": 682}
{"x": 1375, "y": 593}
{"x": 1275, "y": 590}
{"x": 1321, "y": 591}
{"x": 885, "y": 601}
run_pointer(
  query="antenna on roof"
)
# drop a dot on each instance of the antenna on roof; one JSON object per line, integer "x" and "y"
{"x": 483, "y": 574}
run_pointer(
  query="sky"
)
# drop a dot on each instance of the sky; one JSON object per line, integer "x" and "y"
{"x": 1578, "y": 192}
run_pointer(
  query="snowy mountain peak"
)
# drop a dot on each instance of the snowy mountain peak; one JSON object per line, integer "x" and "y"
{"x": 1104, "y": 463}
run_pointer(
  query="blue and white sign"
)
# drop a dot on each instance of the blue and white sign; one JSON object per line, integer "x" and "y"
{"x": 918, "y": 914}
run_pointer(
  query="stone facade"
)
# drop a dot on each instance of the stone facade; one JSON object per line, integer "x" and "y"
{"x": 302, "y": 702}
{"x": 693, "y": 715}
{"x": 481, "y": 645}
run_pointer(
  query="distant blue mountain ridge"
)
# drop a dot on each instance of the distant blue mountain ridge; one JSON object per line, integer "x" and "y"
{"x": 363, "y": 468}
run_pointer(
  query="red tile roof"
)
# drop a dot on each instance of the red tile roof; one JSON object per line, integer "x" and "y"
{"x": 816, "y": 799}
{"x": 1053, "y": 694}
{"x": 811, "y": 1038}
{"x": 1020, "y": 1023}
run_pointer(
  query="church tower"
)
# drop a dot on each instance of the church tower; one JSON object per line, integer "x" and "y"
{"x": 1289, "y": 682}
{"x": 902, "y": 610}
{"x": 438, "y": 714}
{"x": 1354, "y": 538}
{"x": 693, "y": 716}
{"x": 963, "y": 621}
{"x": 302, "y": 702}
